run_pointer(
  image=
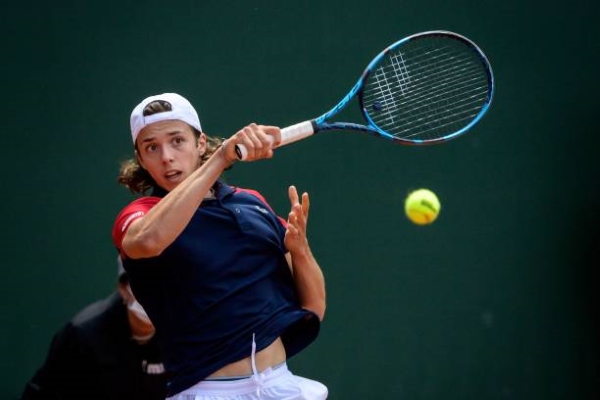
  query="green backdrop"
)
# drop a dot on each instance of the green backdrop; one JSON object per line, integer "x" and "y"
{"x": 496, "y": 300}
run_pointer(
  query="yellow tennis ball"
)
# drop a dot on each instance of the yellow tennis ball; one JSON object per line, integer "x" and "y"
{"x": 422, "y": 206}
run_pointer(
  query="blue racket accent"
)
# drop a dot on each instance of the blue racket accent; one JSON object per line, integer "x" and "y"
{"x": 424, "y": 89}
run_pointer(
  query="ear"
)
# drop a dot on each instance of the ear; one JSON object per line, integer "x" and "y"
{"x": 201, "y": 144}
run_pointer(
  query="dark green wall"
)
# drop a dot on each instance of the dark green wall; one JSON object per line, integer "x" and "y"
{"x": 496, "y": 300}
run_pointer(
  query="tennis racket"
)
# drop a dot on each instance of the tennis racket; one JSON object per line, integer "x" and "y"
{"x": 427, "y": 88}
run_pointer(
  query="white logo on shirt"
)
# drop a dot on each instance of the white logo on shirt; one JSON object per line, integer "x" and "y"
{"x": 153, "y": 369}
{"x": 262, "y": 210}
{"x": 130, "y": 219}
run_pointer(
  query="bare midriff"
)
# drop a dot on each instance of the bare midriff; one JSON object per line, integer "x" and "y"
{"x": 270, "y": 356}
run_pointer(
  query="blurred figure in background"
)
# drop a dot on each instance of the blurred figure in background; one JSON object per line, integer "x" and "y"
{"x": 107, "y": 351}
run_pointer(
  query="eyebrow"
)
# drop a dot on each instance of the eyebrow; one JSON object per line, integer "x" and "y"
{"x": 152, "y": 138}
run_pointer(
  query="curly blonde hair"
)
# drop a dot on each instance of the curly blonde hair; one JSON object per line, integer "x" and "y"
{"x": 135, "y": 178}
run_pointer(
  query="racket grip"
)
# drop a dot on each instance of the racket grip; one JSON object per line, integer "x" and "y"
{"x": 289, "y": 135}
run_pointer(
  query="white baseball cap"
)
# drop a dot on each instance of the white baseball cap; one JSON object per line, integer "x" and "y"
{"x": 181, "y": 109}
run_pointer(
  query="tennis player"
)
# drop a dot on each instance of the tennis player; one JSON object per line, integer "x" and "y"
{"x": 232, "y": 289}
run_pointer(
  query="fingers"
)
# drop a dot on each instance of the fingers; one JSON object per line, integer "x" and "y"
{"x": 295, "y": 236}
{"x": 294, "y": 200}
{"x": 293, "y": 195}
{"x": 298, "y": 215}
{"x": 275, "y": 135}
{"x": 305, "y": 204}
{"x": 259, "y": 140}
{"x": 296, "y": 225}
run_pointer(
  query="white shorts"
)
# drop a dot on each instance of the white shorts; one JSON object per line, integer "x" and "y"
{"x": 272, "y": 384}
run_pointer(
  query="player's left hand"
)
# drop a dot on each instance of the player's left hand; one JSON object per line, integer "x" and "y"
{"x": 295, "y": 235}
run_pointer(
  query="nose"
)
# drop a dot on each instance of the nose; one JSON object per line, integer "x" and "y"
{"x": 167, "y": 155}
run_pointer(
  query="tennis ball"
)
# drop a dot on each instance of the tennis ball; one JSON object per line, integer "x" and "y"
{"x": 422, "y": 206}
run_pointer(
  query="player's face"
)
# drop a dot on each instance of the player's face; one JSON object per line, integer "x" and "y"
{"x": 169, "y": 151}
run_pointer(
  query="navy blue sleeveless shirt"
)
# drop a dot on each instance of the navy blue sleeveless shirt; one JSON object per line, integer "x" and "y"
{"x": 222, "y": 280}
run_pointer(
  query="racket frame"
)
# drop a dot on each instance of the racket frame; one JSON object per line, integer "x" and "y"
{"x": 307, "y": 128}
{"x": 321, "y": 123}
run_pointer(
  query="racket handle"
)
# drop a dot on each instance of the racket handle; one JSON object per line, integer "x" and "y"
{"x": 289, "y": 135}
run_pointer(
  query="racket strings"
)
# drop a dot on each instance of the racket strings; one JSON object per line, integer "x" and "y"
{"x": 461, "y": 101}
{"x": 446, "y": 70}
{"x": 427, "y": 90}
{"x": 452, "y": 79}
{"x": 419, "y": 72}
{"x": 426, "y": 110}
{"x": 426, "y": 97}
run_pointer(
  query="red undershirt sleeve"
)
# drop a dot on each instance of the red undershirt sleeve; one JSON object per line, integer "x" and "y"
{"x": 130, "y": 213}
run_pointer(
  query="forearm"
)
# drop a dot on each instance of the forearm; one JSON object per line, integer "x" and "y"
{"x": 309, "y": 281}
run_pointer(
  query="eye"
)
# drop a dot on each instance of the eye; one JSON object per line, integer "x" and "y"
{"x": 178, "y": 140}
{"x": 151, "y": 148}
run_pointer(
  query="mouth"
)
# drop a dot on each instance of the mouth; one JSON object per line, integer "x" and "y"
{"x": 172, "y": 176}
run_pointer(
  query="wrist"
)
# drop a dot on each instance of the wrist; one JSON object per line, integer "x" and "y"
{"x": 301, "y": 253}
{"x": 227, "y": 155}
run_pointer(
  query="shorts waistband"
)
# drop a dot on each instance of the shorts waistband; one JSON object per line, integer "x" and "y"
{"x": 237, "y": 385}
{"x": 239, "y": 377}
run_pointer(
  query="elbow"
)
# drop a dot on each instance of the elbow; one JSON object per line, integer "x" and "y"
{"x": 143, "y": 247}
{"x": 318, "y": 308}
{"x": 150, "y": 249}
{"x": 321, "y": 313}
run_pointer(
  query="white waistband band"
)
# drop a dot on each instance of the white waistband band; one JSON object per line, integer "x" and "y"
{"x": 239, "y": 386}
